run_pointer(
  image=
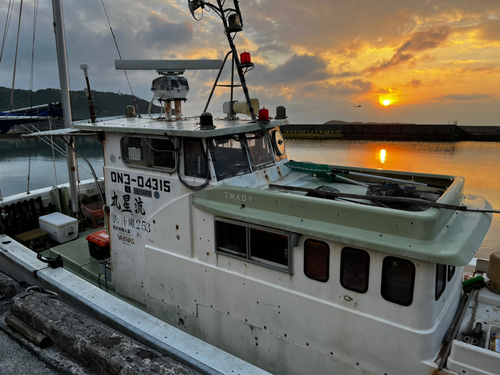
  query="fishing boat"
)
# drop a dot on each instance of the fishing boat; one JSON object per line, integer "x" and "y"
{"x": 291, "y": 266}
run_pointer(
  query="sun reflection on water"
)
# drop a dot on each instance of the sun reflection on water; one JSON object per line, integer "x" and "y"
{"x": 382, "y": 155}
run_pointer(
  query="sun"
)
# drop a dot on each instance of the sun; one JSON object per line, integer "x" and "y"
{"x": 386, "y": 102}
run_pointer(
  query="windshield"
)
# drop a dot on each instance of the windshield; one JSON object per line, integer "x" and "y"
{"x": 240, "y": 154}
{"x": 261, "y": 154}
{"x": 230, "y": 157}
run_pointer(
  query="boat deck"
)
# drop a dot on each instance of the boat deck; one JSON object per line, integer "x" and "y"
{"x": 76, "y": 259}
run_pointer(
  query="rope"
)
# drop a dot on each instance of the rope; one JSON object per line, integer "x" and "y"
{"x": 35, "y": 16}
{"x": 6, "y": 29}
{"x": 15, "y": 58}
{"x": 120, "y": 55}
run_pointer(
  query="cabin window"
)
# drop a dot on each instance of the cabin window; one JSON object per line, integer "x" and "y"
{"x": 316, "y": 260}
{"x": 451, "y": 272}
{"x": 147, "y": 152}
{"x": 267, "y": 247}
{"x": 260, "y": 150}
{"x": 398, "y": 278}
{"x": 440, "y": 280}
{"x": 229, "y": 157}
{"x": 195, "y": 162}
{"x": 354, "y": 269}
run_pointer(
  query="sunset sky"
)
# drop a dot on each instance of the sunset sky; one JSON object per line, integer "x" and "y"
{"x": 427, "y": 61}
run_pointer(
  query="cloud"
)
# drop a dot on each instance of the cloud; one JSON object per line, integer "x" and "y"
{"x": 298, "y": 68}
{"x": 464, "y": 97}
{"x": 490, "y": 30}
{"x": 414, "y": 83}
{"x": 428, "y": 39}
{"x": 274, "y": 48}
{"x": 166, "y": 33}
{"x": 396, "y": 60}
{"x": 354, "y": 87}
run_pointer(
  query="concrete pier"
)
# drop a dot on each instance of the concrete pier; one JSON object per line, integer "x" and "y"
{"x": 392, "y": 131}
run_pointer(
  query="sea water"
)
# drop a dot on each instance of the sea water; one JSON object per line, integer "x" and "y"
{"x": 477, "y": 162}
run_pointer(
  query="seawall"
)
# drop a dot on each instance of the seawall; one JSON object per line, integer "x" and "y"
{"x": 393, "y": 131}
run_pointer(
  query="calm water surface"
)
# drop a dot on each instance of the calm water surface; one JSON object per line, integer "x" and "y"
{"x": 478, "y": 162}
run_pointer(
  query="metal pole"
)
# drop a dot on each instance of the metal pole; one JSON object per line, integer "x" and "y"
{"x": 62, "y": 62}
{"x": 237, "y": 62}
{"x": 90, "y": 98}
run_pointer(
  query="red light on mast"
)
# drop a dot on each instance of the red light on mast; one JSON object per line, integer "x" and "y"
{"x": 264, "y": 114}
{"x": 245, "y": 58}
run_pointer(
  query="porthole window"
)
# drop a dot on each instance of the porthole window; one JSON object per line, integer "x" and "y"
{"x": 398, "y": 278}
{"x": 354, "y": 269}
{"x": 278, "y": 143}
{"x": 316, "y": 260}
{"x": 440, "y": 280}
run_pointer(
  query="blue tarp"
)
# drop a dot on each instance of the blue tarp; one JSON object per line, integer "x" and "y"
{"x": 46, "y": 111}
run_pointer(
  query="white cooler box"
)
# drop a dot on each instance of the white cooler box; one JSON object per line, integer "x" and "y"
{"x": 61, "y": 228}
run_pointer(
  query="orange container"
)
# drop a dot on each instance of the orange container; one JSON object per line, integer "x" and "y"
{"x": 99, "y": 244}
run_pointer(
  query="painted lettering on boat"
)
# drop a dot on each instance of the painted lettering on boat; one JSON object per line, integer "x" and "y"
{"x": 125, "y": 204}
{"x": 238, "y": 197}
{"x": 129, "y": 225}
{"x": 140, "y": 182}
{"x": 304, "y": 207}
{"x": 126, "y": 239}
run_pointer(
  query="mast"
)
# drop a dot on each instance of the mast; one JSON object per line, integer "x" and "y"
{"x": 62, "y": 62}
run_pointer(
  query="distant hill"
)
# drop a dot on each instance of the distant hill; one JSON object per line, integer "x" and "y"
{"x": 109, "y": 103}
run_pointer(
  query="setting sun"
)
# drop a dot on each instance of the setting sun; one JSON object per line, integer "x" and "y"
{"x": 386, "y": 102}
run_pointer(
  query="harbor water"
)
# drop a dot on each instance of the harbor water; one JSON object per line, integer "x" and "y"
{"x": 477, "y": 162}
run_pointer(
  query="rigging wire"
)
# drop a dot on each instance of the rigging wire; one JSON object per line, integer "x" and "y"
{"x": 53, "y": 152}
{"x": 29, "y": 166}
{"x": 15, "y": 58}
{"x": 6, "y": 29}
{"x": 96, "y": 179}
{"x": 120, "y": 55}
{"x": 35, "y": 16}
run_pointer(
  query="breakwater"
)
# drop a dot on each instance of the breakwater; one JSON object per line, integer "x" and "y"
{"x": 392, "y": 131}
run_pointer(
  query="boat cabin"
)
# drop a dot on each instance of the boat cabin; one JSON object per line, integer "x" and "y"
{"x": 215, "y": 232}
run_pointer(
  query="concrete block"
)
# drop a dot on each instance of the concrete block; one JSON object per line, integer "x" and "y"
{"x": 96, "y": 346}
{"x": 7, "y": 287}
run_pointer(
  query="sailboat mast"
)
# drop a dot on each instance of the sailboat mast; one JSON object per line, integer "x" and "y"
{"x": 62, "y": 62}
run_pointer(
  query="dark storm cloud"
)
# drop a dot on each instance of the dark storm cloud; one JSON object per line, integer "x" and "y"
{"x": 428, "y": 39}
{"x": 464, "y": 97}
{"x": 164, "y": 32}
